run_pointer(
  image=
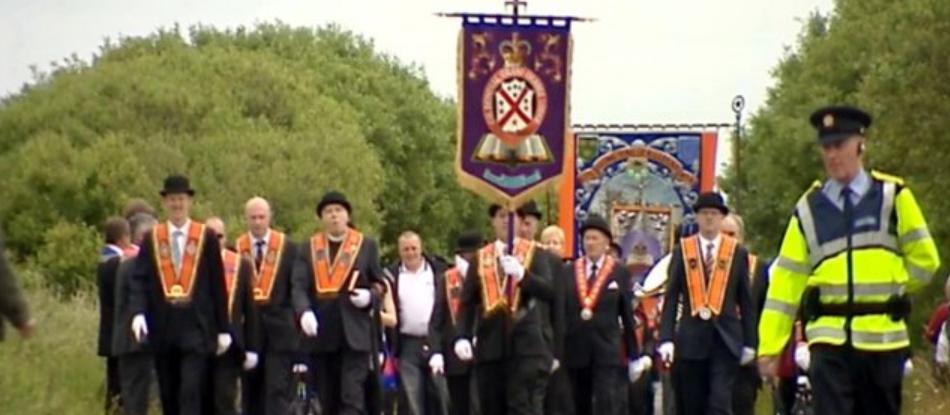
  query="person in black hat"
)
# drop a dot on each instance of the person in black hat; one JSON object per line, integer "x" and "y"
{"x": 331, "y": 288}
{"x": 504, "y": 291}
{"x": 709, "y": 275}
{"x": 599, "y": 295}
{"x": 530, "y": 220}
{"x": 177, "y": 297}
{"x": 846, "y": 241}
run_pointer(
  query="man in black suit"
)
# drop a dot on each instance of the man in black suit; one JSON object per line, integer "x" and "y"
{"x": 331, "y": 288}
{"x": 414, "y": 296}
{"x": 117, "y": 233}
{"x": 268, "y": 388}
{"x": 242, "y": 317}
{"x": 502, "y": 291}
{"x": 599, "y": 295}
{"x": 557, "y": 397}
{"x": 716, "y": 334}
{"x": 443, "y": 325}
{"x": 178, "y": 300}
{"x": 135, "y": 362}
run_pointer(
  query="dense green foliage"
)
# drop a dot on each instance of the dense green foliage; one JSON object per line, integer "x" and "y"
{"x": 274, "y": 111}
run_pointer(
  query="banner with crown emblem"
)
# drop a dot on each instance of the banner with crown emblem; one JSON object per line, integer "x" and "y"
{"x": 514, "y": 85}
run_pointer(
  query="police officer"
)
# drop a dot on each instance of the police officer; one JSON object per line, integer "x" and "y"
{"x": 855, "y": 246}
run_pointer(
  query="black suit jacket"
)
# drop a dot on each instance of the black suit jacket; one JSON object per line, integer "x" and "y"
{"x": 243, "y": 318}
{"x": 501, "y": 335}
{"x": 737, "y": 328}
{"x": 438, "y": 273}
{"x": 340, "y": 321}
{"x": 278, "y": 324}
{"x": 556, "y": 328}
{"x": 105, "y": 282}
{"x": 122, "y": 340}
{"x": 443, "y": 331}
{"x": 207, "y": 308}
{"x": 597, "y": 342}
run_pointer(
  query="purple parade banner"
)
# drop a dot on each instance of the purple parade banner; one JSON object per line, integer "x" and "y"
{"x": 514, "y": 94}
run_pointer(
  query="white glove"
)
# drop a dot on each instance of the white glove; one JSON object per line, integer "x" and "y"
{"x": 942, "y": 354}
{"x": 666, "y": 352}
{"x": 512, "y": 267}
{"x": 636, "y": 368}
{"x": 437, "y": 364}
{"x": 360, "y": 297}
{"x": 802, "y": 356}
{"x": 463, "y": 349}
{"x": 748, "y": 355}
{"x": 381, "y": 358}
{"x": 462, "y": 265}
{"x": 224, "y": 342}
{"x": 555, "y": 365}
{"x": 908, "y": 367}
{"x": 309, "y": 324}
{"x": 139, "y": 328}
{"x": 250, "y": 360}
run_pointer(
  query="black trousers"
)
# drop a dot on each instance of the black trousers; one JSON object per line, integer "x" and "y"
{"x": 225, "y": 372}
{"x": 135, "y": 375}
{"x": 705, "y": 386}
{"x": 460, "y": 393}
{"x": 640, "y": 396}
{"x": 558, "y": 395}
{"x": 512, "y": 387}
{"x": 746, "y": 390}
{"x": 598, "y": 390}
{"x": 340, "y": 379}
{"x": 424, "y": 393}
{"x": 846, "y": 381}
{"x": 113, "y": 398}
{"x": 269, "y": 387}
{"x": 181, "y": 378}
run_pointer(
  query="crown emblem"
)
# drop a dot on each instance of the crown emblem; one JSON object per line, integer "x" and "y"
{"x": 828, "y": 121}
{"x": 515, "y": 50}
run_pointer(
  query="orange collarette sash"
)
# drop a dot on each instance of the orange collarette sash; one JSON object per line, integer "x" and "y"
{"x": 705, "y": 300}
{"x": 264, "y": 280}
{"x": 753, "y": 261}
{"x": 494, "y": 290}
{"x": 453, "y": 291}
{"x": 330, "y": 277}
{"x": 177, "y": 287}
{"x": 232, "y": 269}
{"x": 588, "y": 296}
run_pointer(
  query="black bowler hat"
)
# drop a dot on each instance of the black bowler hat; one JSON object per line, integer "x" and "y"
{"x": 176, "y": 184}
{"x": 333, "y": 198}
{"x": 711, "y": 200}
{"x": 469, "y": 241}
{"x": 529, "y": 209}
{"x": 836, "y": 123}
{"x": 597, "y": 222}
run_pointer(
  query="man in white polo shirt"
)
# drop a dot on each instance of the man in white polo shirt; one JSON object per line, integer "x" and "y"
{"x": 414, "y": 286}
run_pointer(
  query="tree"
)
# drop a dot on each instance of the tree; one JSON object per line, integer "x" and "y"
{"x": 285, "y": 113}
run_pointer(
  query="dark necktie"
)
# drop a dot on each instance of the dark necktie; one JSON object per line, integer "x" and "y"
{"x": 848, "y": 209}
{"x": 259, "y": 255}
{"x": 708, "y": 261}
{"x": 593, "y": 272}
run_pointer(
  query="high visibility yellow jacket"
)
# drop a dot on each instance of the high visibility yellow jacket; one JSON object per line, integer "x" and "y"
{"x": 892, "y": 252}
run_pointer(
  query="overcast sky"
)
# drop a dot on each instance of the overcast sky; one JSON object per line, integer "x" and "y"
{"x": 640, "y": 62}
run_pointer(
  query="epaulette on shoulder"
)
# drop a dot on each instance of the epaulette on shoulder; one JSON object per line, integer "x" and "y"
{"x": 884, "y": 177}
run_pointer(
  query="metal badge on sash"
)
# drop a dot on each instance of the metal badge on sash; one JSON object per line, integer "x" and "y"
{"x": 588, "y": 295}
{"x": 705, "y": 313}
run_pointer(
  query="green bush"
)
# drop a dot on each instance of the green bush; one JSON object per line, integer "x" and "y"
{"x": 68, "y": 257}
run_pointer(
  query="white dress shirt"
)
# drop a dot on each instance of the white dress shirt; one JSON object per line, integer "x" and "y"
{"x": 590, "y": 266}
{"x": 255, "y": 240}
{"x": 179, "y": 241}
{"x": 704, "y": 244}
{"x": 416, "y": 299}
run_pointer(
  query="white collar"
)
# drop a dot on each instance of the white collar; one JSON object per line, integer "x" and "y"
{"x": 461, "y": 264}
{"x": 266, "y": 238}
{"x": 599, "y": 262}
{"x": 705, "y": 242}
{"x": 422, "y": 269}
{"x": 183, "y": 228}
{"x": 337, "y": 239}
